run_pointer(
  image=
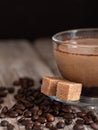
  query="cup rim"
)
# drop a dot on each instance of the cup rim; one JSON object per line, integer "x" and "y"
{"x": 54, "y": 37}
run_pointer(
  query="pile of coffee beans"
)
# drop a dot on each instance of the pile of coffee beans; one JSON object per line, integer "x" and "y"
{"x": 5, "y": 123}
{"x": 36, "y": 111}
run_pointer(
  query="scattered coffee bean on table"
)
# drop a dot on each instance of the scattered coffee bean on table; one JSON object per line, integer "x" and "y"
{"x": 94, "y": 126}
{"x": 60, "y": 125}
{"x": 78, "y": 127}
{"x": 4, "y": 123}
{"x": 37, "y": 111}
{"x": 10, "y": 127}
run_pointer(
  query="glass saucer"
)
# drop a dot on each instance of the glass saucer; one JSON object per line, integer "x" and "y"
{"x": 83, "y": 103}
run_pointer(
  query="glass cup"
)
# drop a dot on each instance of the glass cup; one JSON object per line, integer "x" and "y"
{"x": 76, "y": 54}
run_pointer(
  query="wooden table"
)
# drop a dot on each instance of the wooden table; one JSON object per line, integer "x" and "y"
{"x": 19, "y": 58}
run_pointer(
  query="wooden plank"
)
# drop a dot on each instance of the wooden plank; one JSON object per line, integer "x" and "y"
{"x": 45, "y": 50}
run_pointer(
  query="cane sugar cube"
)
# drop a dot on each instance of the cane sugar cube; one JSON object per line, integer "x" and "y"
{"x": 49, "y": 85}
{"x": 68, "y": 91}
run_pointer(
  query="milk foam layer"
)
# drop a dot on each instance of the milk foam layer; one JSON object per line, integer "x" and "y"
{"x": 83, "y": 46}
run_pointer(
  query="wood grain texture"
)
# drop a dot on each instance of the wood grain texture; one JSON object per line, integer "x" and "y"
{"x": 19, "y": 59}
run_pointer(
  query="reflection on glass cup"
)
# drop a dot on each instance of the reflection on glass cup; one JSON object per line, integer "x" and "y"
{"x": 76, "y": 53}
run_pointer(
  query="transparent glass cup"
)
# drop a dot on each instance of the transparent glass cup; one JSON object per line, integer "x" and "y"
{"x": 76, "y": 54}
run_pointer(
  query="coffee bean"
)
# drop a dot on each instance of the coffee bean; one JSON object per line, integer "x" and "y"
{"x": 79, "y": 121}
{"x": 1, "y": 101}
{"x": 20, "y": 112}
{"x": 19, "y": 106}
{"x": 3, "y": 94}
{"x": 5, "y": 109}
{"x": 34, "y": 110}
{"x": 30, "y": 82}
{"x": 21, "y": 119}
{"x": 2, "y": 115}
{"x": 35, "y": 117}
{"x": 26, "y": 121}
{"x": 16, "y": 83}
{"x": 50, "y": 117}
{"x": 13, "y": 114}
{"x": 0, "y": 106}
{"x": 66, "y": 108}
{"x": 42, "y": 120}
{"x": 4, "y": 123}
{"x": 39, "y": 112}
{"x": 81, "y": 114}
{"x": 37, "y": 128}
{"x": 11, "y": 90}
{"x": 27, "y": 114}
{"x": 94, "y": 126}
{"x": 87, "y": 120}
{"x": 29, "y": 126}
{"x": 3, "y": 88}
{"x": 49, "y": 125}
{"x": 68, "y": 116}
{"x": 10, "y": 127}
{"x": 36, "y": 123}
{"x": 60, "y": 125}
{"x": 40, "y": 81}
{"x": 78, "y": 127}
{"x": 53, "y": 128}
{"x": 68, "y": 121}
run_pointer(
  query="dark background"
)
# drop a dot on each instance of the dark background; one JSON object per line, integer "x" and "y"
{"x": 31, "y": 19}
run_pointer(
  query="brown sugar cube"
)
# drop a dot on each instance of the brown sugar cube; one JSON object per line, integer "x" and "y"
{"x": 49, "y": 85}
{"x": 68, "y": 91}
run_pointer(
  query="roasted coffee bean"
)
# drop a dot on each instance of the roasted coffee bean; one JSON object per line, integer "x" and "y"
{"x": 10, "y": 127}
{"x": 39, "y": 112}
{"x": 87, "y": 120}
{"x": 94, "y": 126}
{"x": 68, "y": 121}
{"x": 16, "y": 83}
{"x": 90, "y": 113}
{"x": 53, "y": 128}
{"x": 13, "y": 114}
{"x": 5, "y": 109}
{"x": 21, "y": 119}
{"x": 35, "y": 117}
{"x": 79, "y": 121}
{"x": 27, "y": 114}
{"x": 3, "y": 88}
{"x": 78, "y": 127}
{"x": 1, "y": 101}
{"x": 3, "y": 94}
{"x": 37, "y": 128}
{"x": 26, "y": 121}
{"x": 20, "y": 112}
{"x": 42, "y": 120}
{"x": 36, "y": 123}
{"x": 0, "y": 106}
{"x": 66, "y": 108}
{"x": 34, "y": 110}
{"x": 81, "y": 114}
{"x": 68, "y": 116}
{"x": 49, "y": 125}
{"x": 60, "y": 125}
{"x": 30, "y": 82}
{"x": 50, "y": 117}
{"x": 29, "y": 126}
{"x": 4, "y": 123}
{"x": 20, "y": 106}
{"x": 11, "y": 90}
{"x": 94, "y": 118}
{"x": 2, "y": 115}
{"x": 40, "y": 81}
